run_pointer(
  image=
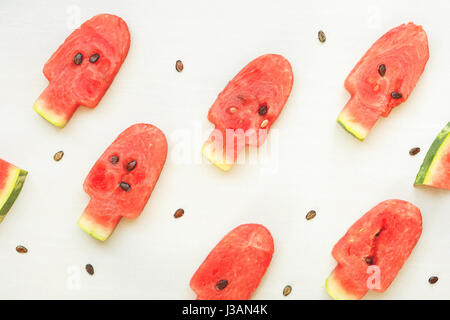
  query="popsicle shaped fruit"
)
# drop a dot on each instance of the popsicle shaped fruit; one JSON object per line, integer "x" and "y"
{"x": 384, "y": 78}
{"x": 234, "y": 268}
{"x": 246, "y": 109}
{"x": 435, "y": 169}
{"x": 11, "y": 183}
{"x": 374, "y": 249}
{"x": 122, "y": 180}
{"x": 83, "y": 68}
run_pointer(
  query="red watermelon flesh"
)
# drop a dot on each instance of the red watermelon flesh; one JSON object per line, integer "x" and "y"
{"x": 72, "y": 85}
{"x": 264, "y": 82}
{"x": 386, "y": 235}
{"x": 241, "y": 258}
{"x": 147, "y": 146}
{"x": 404, "y": 53}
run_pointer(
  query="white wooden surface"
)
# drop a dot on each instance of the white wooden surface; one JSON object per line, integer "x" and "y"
{"x": 314, "y": 163}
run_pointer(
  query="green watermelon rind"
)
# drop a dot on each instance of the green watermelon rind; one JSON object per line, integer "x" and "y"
{"x": 352, "y": 126}
{"x": 42, "y": 109}
{"x": 13, "y": 192}
{"x": 431, "y": 156}
{"x": 95, "y": 230}
{"x": 335, "y": 289}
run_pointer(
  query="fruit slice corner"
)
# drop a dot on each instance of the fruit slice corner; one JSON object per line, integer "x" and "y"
{"x": 99, "y": 226}
{"x": 11, "y": 183}
{"x": 357, "y": 120}
{"x": 435, "y": 169}
{"x": 337, "y": 291}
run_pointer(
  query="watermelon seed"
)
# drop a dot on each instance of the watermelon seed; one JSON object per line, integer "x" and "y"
{"x": 131, "y": 165}
{"x": 179, "y": 66}
{"x": 321, "y": 36}
{"x": 433, "y": 280}
{"x": 382, "y": 70}
{"x": 287, "y": 291}
{"x": 414, "y": 151}
{"x": 396, "y": 95}
{"x": 233, "y": 110}
{"x": 262, "y": 110}
{"x": 90, "y": 269}
{"x": 114, "y": 159}
{"x": 125, "y": 186}
{"x": 311, "y": 215}
{"x": 94, "y": 58}
{"x": 179, "y": 213}
{"x": 58, "y": 156}
{"x": 222, "y": 284}
{"x": 78, "y": 59}
{"x": 264, "y": 123}
{"x": 21, "y": 249}
{"x": 368, "y": 260}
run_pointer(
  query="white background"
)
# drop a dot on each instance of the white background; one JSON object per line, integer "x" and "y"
{"x": 318, "y": 165}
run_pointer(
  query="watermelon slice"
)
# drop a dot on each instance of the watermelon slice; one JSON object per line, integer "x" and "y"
{"x": 435, "y": 169}
{"x": 384, "y": 78}
{"x": 122, "y": 180}
{"x": 383, "y": 239}
{"x": 11, "y": 183}
{"x": 83, "y": 68}
{"x": 246, "y": 109}
{"x": 234, "y": 268}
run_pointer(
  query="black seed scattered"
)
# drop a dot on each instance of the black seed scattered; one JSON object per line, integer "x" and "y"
{"x": 94, "y": 58}
{"x": 131, "y": 165}
{"x": 382, "y": 70}
{"x": 396, "y": 95}
{"x": 311, "y": 215}
{"x": 114, "y": 159}
{"x": 78, "y": 59}
{"x": 90, "y": 269}
{"x": 125, "y": 186}
{"x": 179, "y": 213}
{"x": 369, "y": 261}
{"x": 58, "y": 156}
{"x": 287, "y": 291}
{"x": 222, "y": 284}
{"x": 21, "y": 249}
{"x": 321, "y": 36}
{"x": 179, "y": 66}
{"x": 414, "y": 151}
{"x": 433, "y": 280}
{"x": 262, "y": 110}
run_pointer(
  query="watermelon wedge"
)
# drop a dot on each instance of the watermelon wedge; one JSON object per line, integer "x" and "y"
{"x": 11, "y": 183}
{"x": 246, "y": 109}
{"x": 384, "y": 78}
{"x": 234, "y": 268}
{"x": 83, "y": 68}
{"x": 435, "y": 169}
{"x": 379, "y": 241}
{"x": 122, "y": 180}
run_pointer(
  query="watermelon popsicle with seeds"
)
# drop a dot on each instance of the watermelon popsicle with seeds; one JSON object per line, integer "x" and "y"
{"x": 246, "y": 109}
{"x": 83, "y": 68}
{"x": 435, "y": 169}
{"x": 374, "y": 249}
{"x": 234, "y": 268}
{"x": 122, "y": 180}
{"x": 384, "y": 78}
{"x": 12, "y": 179}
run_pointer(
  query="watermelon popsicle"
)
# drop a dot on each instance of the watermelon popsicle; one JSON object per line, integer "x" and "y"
{"x": 374, "y": 249}
{"x": 234, "y": 268}
{"x": 122, "y": 180}
{"x": 83, "y": 68}
{"x": 384, "y": 78}
{"x": 246, "y": 109}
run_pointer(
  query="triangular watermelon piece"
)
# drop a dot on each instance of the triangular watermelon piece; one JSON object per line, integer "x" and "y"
{"x": 435, "y": 169}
